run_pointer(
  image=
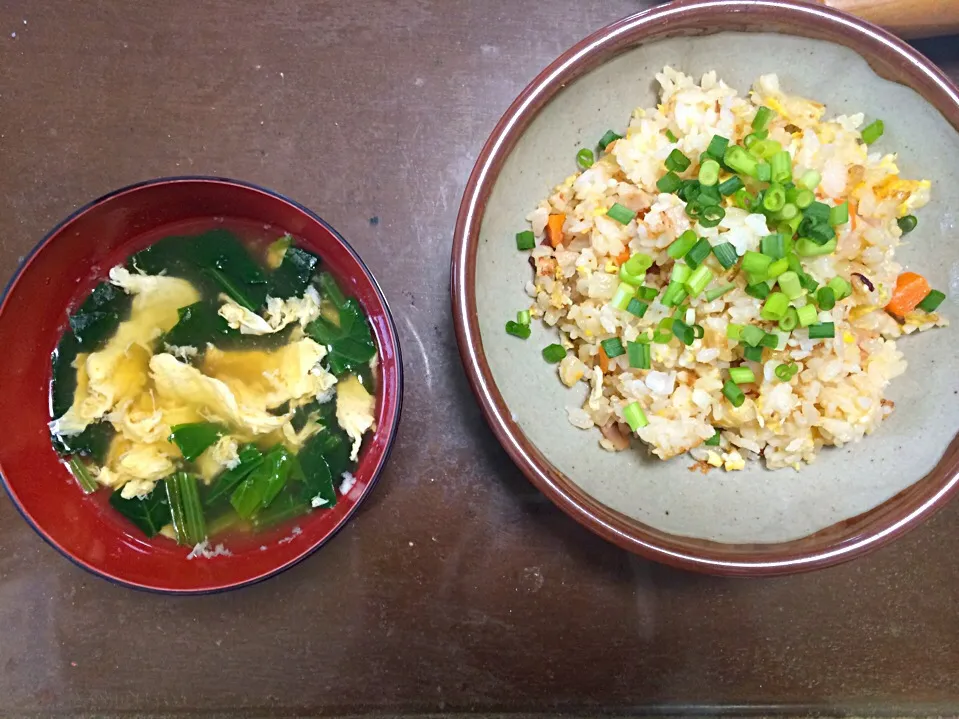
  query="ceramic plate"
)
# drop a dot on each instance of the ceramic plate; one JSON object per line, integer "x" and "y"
{"x": 755, "y": 521}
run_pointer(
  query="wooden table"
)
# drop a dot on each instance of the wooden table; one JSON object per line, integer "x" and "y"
{"x": 457, "y": 587}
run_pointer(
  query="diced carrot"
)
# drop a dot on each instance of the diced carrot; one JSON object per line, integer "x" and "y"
{"x": 853, "y": 211}
{"x": 554, "y": 229}
{"x": 603, "y": 360}
{"x": 622, "y": 256}
{"x": 911, "y": 289}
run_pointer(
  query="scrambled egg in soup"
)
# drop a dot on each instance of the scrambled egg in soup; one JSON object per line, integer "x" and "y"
{"x": 264, "y": 413}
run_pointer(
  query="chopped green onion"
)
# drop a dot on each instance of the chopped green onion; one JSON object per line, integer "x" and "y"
{"x": 753, "y": 354}
{"x": 804, "y": 199}
{"x": 810, "y": 179}
{"x": 775, "y": 307}
{"x": 623, "y": 215}
{"x": 931, "y": 302}
{"x": 698, "y": 281}
{"x": 738, "y": 160}
{"x": 523, "y": 317}
{"x": 708, "y": 195}
{"x": 714, "y": 440}
{"x": 585, "y": 159}
{"x": 636, "y": 307}
{"x": 752, "y": 335}
{"x": 525, "y": 240}
{"x": 664, "y": 331}
{"x": 621, "y": 297}
{"x": 699, "y": 331}
{"x": 734, "y": 331}
{"x": 762, "y": 118}
{"x": 608, "y": 138}
{"x": 826, "y": 298}
{"x": 907, "y": 224}
{"x": 743, "y": 199}
{"x": 777, "y": 268}
{"x": 781, "y": 164}
{"x": 839, "y": 215}
{"x": 756, "y": 262}
{"x": 677, "y": 161}
{"x": 773, "y": 246}
{"x": 794, "y": 263}
{"x": 683, "y": 244}
{"x": 807, "y": 248}
{"x": 822, "y": 330}
{"x": 818, "y": 211}
{"x": 717, "y": 146}
{"x": 82, "y": 475}
{"x": 789, "y": 227}
{"x": 554, "y": 353}
{"x": 789, "y": 283}
{"x": 770, "y": 340}
{"x": 517, "y": 330}
{"x": 634, "y": 416}
{"x": 788, "y": 212}
{"x": 785, "y": 372}
{"x": 699, "y": 252}
{"x": 766, "y": 150}
{"x": 807, "y": 315}
{"x": 647, "y": 293}
{"x": 639, "y": 355}
{"x": 873, "y": 131}
{"x": 718, "y": 292}
{"x": 684, "y": 332}
{"x": 675, "y": 293}
{"x": 741, "y": 375}
{"x": 709, "y": 173}
{"x": 818, "y": 232}
{"x": 774, "y": 199}
{"x": 753, "y": 137}
{"x": 730, "y": 186}
{"x": 759, "y": 290}
{"x": 841, "y": 287}
{"x": 613, "y": 347}
{"x": 626, "y": 276}
{"x": 789, "y": 320}
{"x": 726, "y": 254}
{"x": 689, "y": 190}
{"x": 733, "y": 393}
{"x": 669, "y": 183}
{"x": 712, "y": 216}
{"x": 670, "y": 136}
{"x": 680, "y": 273}
{"x": 638, "y": 263}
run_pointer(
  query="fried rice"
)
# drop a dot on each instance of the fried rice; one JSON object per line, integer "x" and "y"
{"x": 836, "y": 395}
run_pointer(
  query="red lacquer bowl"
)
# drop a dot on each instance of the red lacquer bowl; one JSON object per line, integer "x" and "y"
{"x": 58, "y": 274}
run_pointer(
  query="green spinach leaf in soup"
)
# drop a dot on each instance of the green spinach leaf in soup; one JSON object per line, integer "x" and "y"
{"x": 150, "y": 513}
{"x": 293, "y": 275}
{"x": 317, "y": 474}
{"x": 95, "y": 321}
{"x": 63, "y": 383}
{"x": 198, "y": 325}
{"x": 215, "y": 261}
{"x": 93, "y": 442}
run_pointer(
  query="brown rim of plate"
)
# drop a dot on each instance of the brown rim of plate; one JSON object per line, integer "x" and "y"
{"x": 890, "y": 58}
